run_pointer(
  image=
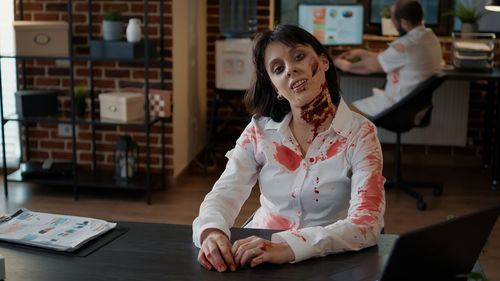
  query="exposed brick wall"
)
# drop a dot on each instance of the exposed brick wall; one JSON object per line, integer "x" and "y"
{"x": 108, "y": 76}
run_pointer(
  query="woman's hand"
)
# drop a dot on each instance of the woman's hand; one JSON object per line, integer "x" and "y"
{"x": 255, "y": 250}
{"x": 216, "y": 251}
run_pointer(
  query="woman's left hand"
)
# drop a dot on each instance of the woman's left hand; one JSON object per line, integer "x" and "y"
{"x": 254, "y": 250}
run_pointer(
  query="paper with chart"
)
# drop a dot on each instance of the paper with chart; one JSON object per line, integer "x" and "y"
{"x": 53, "y": 231}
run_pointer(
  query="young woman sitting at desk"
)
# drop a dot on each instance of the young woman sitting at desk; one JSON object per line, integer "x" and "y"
{"x": 319, "y": 165}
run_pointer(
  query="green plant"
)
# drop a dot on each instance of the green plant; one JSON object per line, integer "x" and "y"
{"x": 385, "y": 13}
{"x": 113, "y": 16}
{"x": 467, "y": 12}
{"x": 81, "y": 94}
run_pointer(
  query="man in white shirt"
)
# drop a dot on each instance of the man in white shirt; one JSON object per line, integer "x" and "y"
{"x": 408, "y": 61}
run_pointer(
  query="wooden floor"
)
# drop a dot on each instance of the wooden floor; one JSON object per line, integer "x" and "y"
{"x": 466, "y": 189}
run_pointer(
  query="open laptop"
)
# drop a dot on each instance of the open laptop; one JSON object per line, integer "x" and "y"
{"x": 436, "y": 252}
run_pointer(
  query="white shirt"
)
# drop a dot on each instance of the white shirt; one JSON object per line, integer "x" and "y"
{"x": 408, "y": 61}
{"x": 332, "y": 200}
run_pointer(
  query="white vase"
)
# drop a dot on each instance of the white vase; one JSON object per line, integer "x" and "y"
{"x": 134, "y": 30}
{"x": 388, "y": 27}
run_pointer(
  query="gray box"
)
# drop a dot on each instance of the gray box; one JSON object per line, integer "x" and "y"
{"x": 100, "y": 49}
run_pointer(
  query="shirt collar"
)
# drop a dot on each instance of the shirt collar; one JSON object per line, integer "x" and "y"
{"x": 416, "y": 30}
{"x": 280, "y": 126}
{"x": 341, "y": 123}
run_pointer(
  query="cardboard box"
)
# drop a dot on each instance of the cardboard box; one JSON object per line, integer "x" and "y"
{"x": 41, "y": 38}
{"x": 122, "y": 106}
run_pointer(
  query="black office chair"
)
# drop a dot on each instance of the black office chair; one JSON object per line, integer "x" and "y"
{"x": 414, "y": 110}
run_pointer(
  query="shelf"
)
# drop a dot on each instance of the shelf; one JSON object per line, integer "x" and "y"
{"x": 39, "y": 119}
{"x": 16, "y": 177}
{"x": 97, "y": 179}
{"x": 65, "y": 118}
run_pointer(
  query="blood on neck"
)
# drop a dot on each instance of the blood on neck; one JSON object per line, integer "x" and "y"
{"x": 318, "y": 110}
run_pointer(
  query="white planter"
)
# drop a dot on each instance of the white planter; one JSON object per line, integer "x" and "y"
{"x": 388, "y": 27}
{"x": 134, "y": 30}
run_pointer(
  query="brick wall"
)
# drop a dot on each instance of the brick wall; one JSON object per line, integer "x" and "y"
{"x": 108, "y": 76}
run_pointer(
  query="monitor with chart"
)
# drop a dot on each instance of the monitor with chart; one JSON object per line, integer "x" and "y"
{"x": 331, "y": 24}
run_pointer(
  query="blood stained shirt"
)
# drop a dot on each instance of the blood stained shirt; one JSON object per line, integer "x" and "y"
{"x": 330, "y": 200}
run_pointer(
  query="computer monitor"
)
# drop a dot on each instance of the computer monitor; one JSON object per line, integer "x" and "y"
{"x": 331, "y": 24}
{"x": 430, "y": 8}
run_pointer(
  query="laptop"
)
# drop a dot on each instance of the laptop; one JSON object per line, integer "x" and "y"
{"x": 436, "y": 252}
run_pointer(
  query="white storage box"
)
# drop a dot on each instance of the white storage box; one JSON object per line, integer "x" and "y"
{"x": 122, "y": 106}
{"x": 41, "y": 38}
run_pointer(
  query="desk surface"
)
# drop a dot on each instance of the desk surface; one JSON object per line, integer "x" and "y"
{"x": 165, "y": 252}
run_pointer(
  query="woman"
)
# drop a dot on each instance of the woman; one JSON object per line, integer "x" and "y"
{"x": 318, "y": 164}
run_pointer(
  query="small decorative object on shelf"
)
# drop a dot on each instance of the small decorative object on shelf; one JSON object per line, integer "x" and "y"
{"x": 126, "y": 157}
{"x": 468, "y": 14}
{"x": 387, "y": 25}
{"x": 81, "y": 94}
{"x": 134, "y": 30}
{"x": 112, "y": 27}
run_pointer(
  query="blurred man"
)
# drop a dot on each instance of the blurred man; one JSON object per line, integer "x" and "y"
{"x": 408, "y": 61}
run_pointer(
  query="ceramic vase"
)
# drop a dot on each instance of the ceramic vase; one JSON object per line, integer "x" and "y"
{"x": 468, "y": 27}
{"x": 388, "y": 27}
{"x": 134, "y": 30}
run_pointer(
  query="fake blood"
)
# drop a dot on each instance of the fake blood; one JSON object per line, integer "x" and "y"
{"x": 249, "y": 135}
{"x": 314, "y": 67}
{"x": 275, "y": 221}
{"x": 335, "y": 148}
{"x": 266, "y": 245}
{"x": 287, "y": 157}
{"x": 317, "y": 111}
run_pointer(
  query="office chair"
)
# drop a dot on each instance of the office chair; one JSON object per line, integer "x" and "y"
{"x": 414, "y": 110}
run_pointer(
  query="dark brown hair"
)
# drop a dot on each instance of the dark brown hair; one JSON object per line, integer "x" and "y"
{"x": 409, "y": 10}
{"x": 261, "y": 99}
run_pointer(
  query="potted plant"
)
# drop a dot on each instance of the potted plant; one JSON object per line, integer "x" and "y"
{"x": 468, "y": 14}
{"x": 387, "y": 25}
{"x": 112, "y": 26}
{"x": 79, "y": 99}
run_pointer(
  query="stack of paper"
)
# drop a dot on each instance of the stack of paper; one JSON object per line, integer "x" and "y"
{"x": 58, "y": 232}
